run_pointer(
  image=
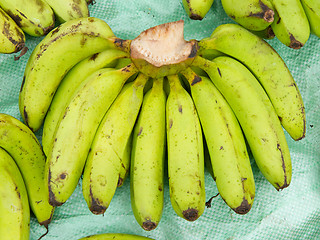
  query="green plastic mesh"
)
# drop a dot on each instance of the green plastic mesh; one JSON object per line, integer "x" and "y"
{"x": 293, "y": 213}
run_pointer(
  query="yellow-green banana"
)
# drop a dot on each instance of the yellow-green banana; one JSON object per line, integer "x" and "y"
{"x": 312, "y": 10}
{"x": 115, "y": 236}
{"x": 35, "y": 17}
{"x": 147, "y": 158}
{"x": 76, "y": 130}
{"x": 52, "y": 58}
{"x": 185, "y": 153}
{"x": 20, "y": 142}
{"x": 14, "y": 205}
{"x": 226, "y": 144}
{"x": 68, "y": 86}
{"x": 197, "y": 9}
{"x": 268, "y": 67}
{"x": 256, "y": 116}
{"x": 102, "y": 169}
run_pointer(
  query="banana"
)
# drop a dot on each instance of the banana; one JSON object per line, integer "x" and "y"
{"x": 185, "y": 153}
{"x": 12, "y": 38}
{"x": 66, "y": 10}
{"x": 147, "y": 161}
{"x": 76, "y": 130}
{"x": 265, "y": 34}
{"x": 20, "y": 142}
{"x": 256, "y": 116}
{"x": 291, "y": 25}
{"x": 312, "y": 10}
{"x": 226, "y": 144}
{"x": 34, "y": 17}
{"x": 14, "y": 205}
{"x": 52, "y": 58}
{"x": 268, "y": 67}
{"x": 254, "y": 15}
{"x": 197, "y": 9}
{"x": 115, "y": 236}
{"x": 103, "y": 164}
{"x": 68, "y": 86}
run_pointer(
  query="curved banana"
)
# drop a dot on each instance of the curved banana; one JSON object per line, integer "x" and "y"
{"x": 185, "y": 153}
{"x": 34, "y": 17}
{"x": 256, "y": 116}
{"x": 20, "y": 142}
{"x": 290, "y": 25}
{"x": 68, "y": 86}
{"x": 115, "y": 236}
{"x": 254, "y": 15}
{"x": 102, "y": 169}
{"x": 312, "y": 10}
{"x": 77, "y": 128}
{"x": 268, "y": 67}
{"x": 14, "y": 205}
{"x": 52, "y": 58}
{"x": 197, "y": 9}
{"x": 147, "y": 161}
{"x": 12, "y": 38}
{"x": 226, "y": 144}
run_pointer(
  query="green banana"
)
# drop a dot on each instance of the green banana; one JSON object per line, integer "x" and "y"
{"x": 68, "y": 86}
{"x": 197, "y": 9}
{"x": 14, "y": 205}
{"x": 185, "y": 153}
{"x": 21, "y": 143}
{"x": 226, "y": 144}
{"x": 115, "y": 236}
{"x": 77, "y": 128}
{"x": 52, "y": 58}
{"x": 268, "y": 67}
{"x": 147, "y": 158}
{"x": 34, "y": 17}
{"x": 256, "y": 116}
{"x": 312, "y": 10}
{"x": 254, "y": 15}
{"x": 291, "y": 25}
{"x": 103, "y": 164}
{"x": 12, "y": 38}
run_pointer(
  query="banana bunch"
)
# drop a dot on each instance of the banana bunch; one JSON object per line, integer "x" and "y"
{"x": 113, "y": 109}
{"x": 291, "y": 21}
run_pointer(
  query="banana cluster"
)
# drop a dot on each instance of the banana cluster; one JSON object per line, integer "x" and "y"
{"x": 113, "y": 109}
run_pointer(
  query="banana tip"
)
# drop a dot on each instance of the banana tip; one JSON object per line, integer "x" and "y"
{"x": 243, "y": 208}
{"x": 149, "y": 225}
{"x": 191, "y": 214}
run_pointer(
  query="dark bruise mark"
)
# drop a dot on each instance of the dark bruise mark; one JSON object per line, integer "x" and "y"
{"x": 280, "y": 118}
{"x": 148, "y": 225}
{"x": 243, "y": 208}
{"x": 170, "y": 123}
{"x": 83, "y": 41}
{"x": 19, "y": 42}
{"x": 52, "y": 198}
{"x": 23, "y": 52}
{"x": 96, "y": 207}
{"x": 195, "y": 80}
{"x": 243, "y": 179}
{"x": 194, "y": 50}
{"x": 191, "y": 214}
{"x": 194, "y": 16}
{"x": 221, "y": 148}
{"x": 91, "y": 19}
{"x": 120, "y": 182}
{"x": 294, "y": 43}
{"x": 93, "y": 57}
{"x": 208, "y": 203}
{"x": 279, "y": 20}
{"x": 233, "y": 16}
{"x": 180, "y": 109}
{"x": 160, "y": 188}
{"x": 266, "y": 13}
{"x": 219, "y": 72}
{"x": 23, "y": 81}
{"x": 126, "y": 68}
{"x": 26, "y": 117}
{"x": 63, "y": 176}
{"x": 285, "y": 183}
{"x": 140, "y": 131}
{"x": 120, "y": 43}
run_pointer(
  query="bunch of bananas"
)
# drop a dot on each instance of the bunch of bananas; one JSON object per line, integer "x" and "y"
{"x": 110, "y": 107}
{"x": 36, "y": 18}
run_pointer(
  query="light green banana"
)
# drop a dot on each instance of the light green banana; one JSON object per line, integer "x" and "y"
{"x": 14, "y": 205}
{"x": 66, "y": 10}
{"x": 268, "y": 67}
{"x": 256, "y": 116}
{"x": 147, "y": 158}
{"x": 20, "y": 142}
{"x": 312, "y": 10}
{"x": 226, "y": 144}
{"x": 290, "y": 25}
{"x": 115, "y": 236}
{"x": 76, "y": 130}
{"x": 12, "y": 38}
{"x": 254, "y": 15}
{"x": 197, "y": 9}
{"x": 68, "y": 86}
{"x": 35, "y": 17}
{"x": 185, "y": 153}
{"x": 102, "y": 169}
{"x": 52, "y": 58}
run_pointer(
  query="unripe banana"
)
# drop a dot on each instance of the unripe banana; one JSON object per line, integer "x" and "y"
{"x": 268, "y": 67}
{"x": 76, "y": 130}
{"x": 147, "y": 158}
{"x": 21, "y": 143}
{"x": 14, "y": 205}
{"x": 115, "y": 236}
{"x": 226, "y": 144}
{"x": 12, "y": 38}
{"x": 312, "y": 10}
{"x": 35, "y": 17}
{"x": 102, "y": 169}
{"x": 52, "y": 58}
{"x": 197, "y": 9}
{"x": 185, "y": 153}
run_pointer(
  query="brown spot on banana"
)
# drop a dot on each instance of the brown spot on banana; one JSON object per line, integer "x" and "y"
{"x": 96, "y": 207}
{"x": 180, "y": 109}
{"x": 285, "y": 182}
{"x": 294, "y": 43}
{"x": 195, "y": 80}
{"x": 148, "y": 225}
{"x": 243, "y": 208}
{"x": 191, "y": 214}
{"x": 140, "y": 131}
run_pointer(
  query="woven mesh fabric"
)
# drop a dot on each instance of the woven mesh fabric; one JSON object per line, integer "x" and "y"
{"x": 293, "y": 213}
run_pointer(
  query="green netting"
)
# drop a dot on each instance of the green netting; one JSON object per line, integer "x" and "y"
{"x": 293, "y": 213}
